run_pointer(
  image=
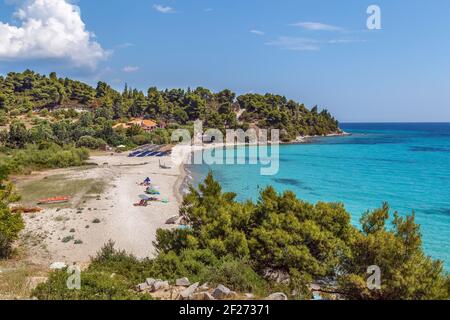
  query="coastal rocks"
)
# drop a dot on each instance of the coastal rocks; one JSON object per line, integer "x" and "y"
{"x": 160, "y": 285}
{"x": 277, "y": 296}
{"x": 58, "y": 266}
{"x": 150, "y": 281}
{"x": 152, "y": 285}
{"x": 183, "y": 282}
{"x": 202, "y": 296}
{"x": 277, "y": 276}
{"x": 204, "y": 287}
{"x": 187, "y": 294}
{"x": 222, "y": 292}
{"x": 142, "y": 287}
{"x": 182, "y": 290}
{"x": 173, "y": 220}
{"x": 249, "y": 296}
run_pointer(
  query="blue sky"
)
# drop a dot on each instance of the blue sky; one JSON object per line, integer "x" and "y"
{"x": 317, "y": 52}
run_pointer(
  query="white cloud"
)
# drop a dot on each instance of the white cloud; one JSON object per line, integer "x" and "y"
{"x": 297, "y": 44}
{"x": 307, "y": 44}
{"x": 258, "y": 32}
{"x": 125, "y": 45}
{"x": 316, "y": 26}
{"x": 50, "y": 29}
{"x": 163, "y": 9}
{"x": 345, "y": 41}
{"x": 130, "y": 69}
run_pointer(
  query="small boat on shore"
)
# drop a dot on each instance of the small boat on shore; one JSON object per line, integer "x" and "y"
{"x": 25, "y": 209}
{"x": 55, "y": 200}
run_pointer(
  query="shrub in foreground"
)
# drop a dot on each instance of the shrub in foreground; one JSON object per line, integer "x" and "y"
{"x": 94, "y": 286}
{"x": 10, "y": 223}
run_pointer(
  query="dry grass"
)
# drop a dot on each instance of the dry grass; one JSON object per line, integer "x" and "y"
{"x": 59, "y": 185}
{"x": 18, "y": 278}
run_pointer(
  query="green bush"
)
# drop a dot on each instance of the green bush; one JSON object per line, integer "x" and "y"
{"x": 3, "y": 120}
{"x": 171, "y": 240}
{"x": 282, "y": 234}
{"x": 237, "y": 275}
{"x": 10, "y": 227}
{"x": 91, "y": 142}
{"x": 189, "y": 263}
{"x": 198, "y": 265}
{"x": 94, "y": 286}
{"x": 111, "y": 260}
{"x": 141, "y": 139}
{"x": 14, "y": 113}
{"x": 10, "y": 224}
{"x": 45, "y": 156}
{"x": 44, "y": 112}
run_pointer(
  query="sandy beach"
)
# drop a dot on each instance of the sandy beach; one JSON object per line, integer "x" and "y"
{"x": 102, "y": 206}
{"x": 74, "y": 233}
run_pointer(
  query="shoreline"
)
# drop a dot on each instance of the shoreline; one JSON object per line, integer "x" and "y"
{"x": 132, "y": 228}
{"x": 180, "y": 183}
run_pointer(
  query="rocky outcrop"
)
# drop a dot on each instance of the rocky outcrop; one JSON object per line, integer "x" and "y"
{"x": 173, "y": 220}
{"x": 142, "y": 287}
{"x": 249, "y": 296}
{"x": 204, "y": 287}
{"x": 222, "y": 292}
{"x": 183, "y": 282}
{"x": 277, "y": 296}
{"x": 184, "y": 290}
{"x": 58, "y": 266}
{"x": 153, "y": 285}
{"x": 202, "y": 296}
{"x": 160, "y": 285}
{"x": 187, "y": 294}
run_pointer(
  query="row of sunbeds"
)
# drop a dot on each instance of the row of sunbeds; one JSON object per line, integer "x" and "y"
{"x": 141, "y": 154}
{"x": 153, "y": 151}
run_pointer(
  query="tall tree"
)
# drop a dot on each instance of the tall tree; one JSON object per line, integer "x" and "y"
{"x": 406, "y": 272}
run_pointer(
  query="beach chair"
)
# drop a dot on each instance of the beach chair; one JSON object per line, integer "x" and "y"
{"x": 143, "y": 154}
{"x": 134, "y": 154}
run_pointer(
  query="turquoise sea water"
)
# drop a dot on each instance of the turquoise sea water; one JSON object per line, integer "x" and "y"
{"x": 407, "y": 165}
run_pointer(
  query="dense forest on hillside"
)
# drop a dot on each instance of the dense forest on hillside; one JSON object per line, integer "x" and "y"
{"x": 80, "y": 110}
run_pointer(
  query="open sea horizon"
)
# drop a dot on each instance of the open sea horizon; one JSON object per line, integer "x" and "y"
{"x": 404, "y": 164}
